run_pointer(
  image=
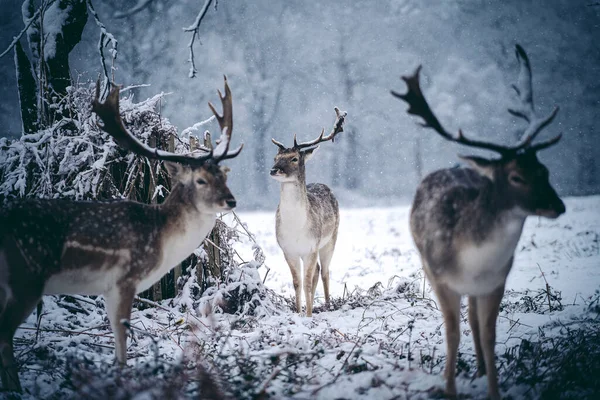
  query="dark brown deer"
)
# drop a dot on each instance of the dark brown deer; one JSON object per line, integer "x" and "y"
{"x": 307, "y": 216}
{"x": 115, "y": 249}
{"x": 466, "y": 222}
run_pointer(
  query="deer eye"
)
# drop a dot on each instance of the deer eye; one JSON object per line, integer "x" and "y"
{"x": 201, "y": 181}
{"x": 295, "y": 159}
{"x": 517, "y": 180}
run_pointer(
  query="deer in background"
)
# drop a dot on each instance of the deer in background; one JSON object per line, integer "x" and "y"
{"x": 115, "y": 249}
{"x": 466, "y": 222}
{"x": 307, "y": 217}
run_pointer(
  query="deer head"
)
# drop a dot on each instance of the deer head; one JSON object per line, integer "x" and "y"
{"x": 198, "y": 180}
{"x": 518, "y": 174}
{"x": 290, "y": 162}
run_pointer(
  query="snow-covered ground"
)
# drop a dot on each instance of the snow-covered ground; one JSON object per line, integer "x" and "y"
{"x": 384, "y": 340}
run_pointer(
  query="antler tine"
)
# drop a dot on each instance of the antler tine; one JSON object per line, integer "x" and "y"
{"x": 545, "y": 144}
{"x": 232, "y": 154}
{"x": 225, "y": 123}
{"x": 526, "y": 109}
{"x": 113, "y": 125}
{"x": 338, "y": 127}
{"x": 417, "y": 105}
{"x": 278, "y": 144}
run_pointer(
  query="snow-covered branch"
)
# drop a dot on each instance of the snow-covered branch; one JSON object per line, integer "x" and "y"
{"x": 194, "y": 28}
{"x": 106, "y": 38}
{"x": 27, "y": 25}
{"x": 75, "y": 158}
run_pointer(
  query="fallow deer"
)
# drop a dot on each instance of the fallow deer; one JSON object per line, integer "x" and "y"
{"x": 466, "y": 222}
{"x": 307, "y": 217}
{"x": 115, "y": 249}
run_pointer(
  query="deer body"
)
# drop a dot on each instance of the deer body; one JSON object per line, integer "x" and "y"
{"x": 115, "y": 249}
{"x": 307, "y": 222}
{"x": 307, "y": 218}
{"x": 466, "y": 222}
{"x": 463, "y": 230}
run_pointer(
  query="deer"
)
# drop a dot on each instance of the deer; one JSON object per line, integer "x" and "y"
{"x": 308, "y": 216}
{"x": 115, "y": 249}
{"x": 466, "y": 222}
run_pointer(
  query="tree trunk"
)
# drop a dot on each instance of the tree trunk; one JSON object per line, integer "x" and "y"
{"x": 351, "y": 176}
{"x": 156, "y": 288}
{"x": 260, "y": 165}
{"x": 418, "y": 159}
{"x": 58, "y": 45}
{"x": 27, "y": 90}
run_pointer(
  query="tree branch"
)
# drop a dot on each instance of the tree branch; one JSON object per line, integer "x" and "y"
{"x": 18, "y": 37}
{"x": 106, "y": 38}
{"x": 194, "y": 28}
{"x": 141, "y": 4}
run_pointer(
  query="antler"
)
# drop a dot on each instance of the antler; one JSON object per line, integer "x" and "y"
{"x": 526, "y": 109}
{"x": 418, "y": 106}
{"x": 338, "y": 127}
{"x": 113, "y": 125}
{"x": 226, "y": 123}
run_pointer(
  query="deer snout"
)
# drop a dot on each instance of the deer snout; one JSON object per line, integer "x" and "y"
{"x": 554, "y": 210}
{"x": 274, "y": 171}
{"x": 559, "y": 208}
{"x": 231, "y": 203}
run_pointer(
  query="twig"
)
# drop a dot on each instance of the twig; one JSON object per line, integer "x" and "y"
{"x": 195, "y": 28}
{"x": 213, "y": 243}
{"x": 65, "y": 331}
{"x": 547, "y": 288}
{"x": 27, "y": 25}
{"x": 263, "y": 387}
{"x": 336, "y": 377}
{"x": 141, "y": 4}
{"x": 106, "y": 38}
{"x": 151, "y": 303}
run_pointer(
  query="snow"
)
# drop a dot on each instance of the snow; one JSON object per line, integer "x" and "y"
{"x": 54, "y": 19}
{"x": 386, "y": 343}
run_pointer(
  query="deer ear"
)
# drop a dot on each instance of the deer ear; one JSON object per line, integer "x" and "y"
{"x": 482, "y": 165}
{"x": 309, "y": 153}
{"x": 174, "y": 169}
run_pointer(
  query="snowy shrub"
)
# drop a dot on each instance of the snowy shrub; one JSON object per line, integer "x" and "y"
{"x": 241, "y": 293}
{"x": 561, "y": 363}
{"x": 75, "y": 158}
{"x": 150, "y": 379}
{"x": 538, "y": 301}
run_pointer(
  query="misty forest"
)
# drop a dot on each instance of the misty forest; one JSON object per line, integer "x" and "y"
{"x": 207, "y": 270}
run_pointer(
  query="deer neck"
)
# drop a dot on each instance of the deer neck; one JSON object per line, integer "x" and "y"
{"x": 186, "y": 223}
{"x": 293, "y": 202}
{"x": 496, "y": 210}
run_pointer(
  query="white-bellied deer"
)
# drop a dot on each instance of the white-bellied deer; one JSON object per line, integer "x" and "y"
{"x": 115, "y": 249}
{"x": 466, "y": 222}
{"x": 307, "y": 217}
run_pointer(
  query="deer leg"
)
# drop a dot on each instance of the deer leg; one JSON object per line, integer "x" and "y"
{"x": 19, "y": 293}
{"x": 474, "y": 322}
{"x": 487, "y": 313}
{"x": 315, "y": 280}
{"x": 325, "y": 255}
{"x": 118, "y": 307}
{"x": 8, "y": 366}
{"x": 15, "y": 311}
{"x": 310, "y": 265}
{"x": 449, "y": 302}
{"x": 296, "y": 269}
